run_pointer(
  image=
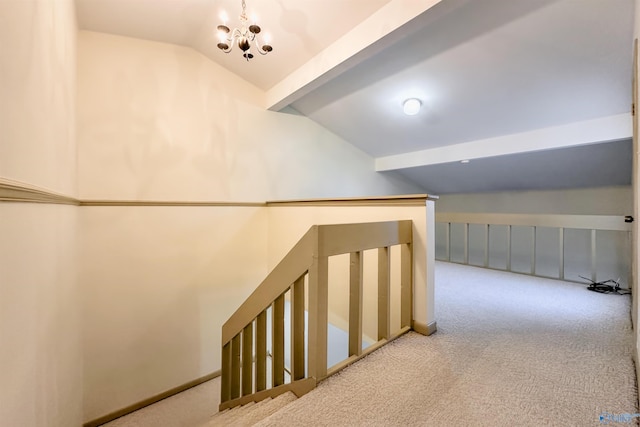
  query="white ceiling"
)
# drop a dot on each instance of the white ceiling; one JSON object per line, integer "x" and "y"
{"x": 300, "y": 29}
{"x": 502, "y": 73}
{"x": 574, "y": 167}
{"x": 483, "y": 69}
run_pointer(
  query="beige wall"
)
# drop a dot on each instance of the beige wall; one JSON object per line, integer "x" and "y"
{"x": 588, "y": 201}
{"x": 40, "y": 342}
{"x": 162, "y": 122}
{"x": 159, "y": 121}
{"x": 37, "y": 93}
{"x": 159, "y": 282}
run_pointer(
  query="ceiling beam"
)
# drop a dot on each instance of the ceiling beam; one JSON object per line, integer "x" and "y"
{"x": 603, "y": 129}
{"x": 341, "y": 55}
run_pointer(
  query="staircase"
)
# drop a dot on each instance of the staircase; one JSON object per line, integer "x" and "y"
{"x": 254, "y": 363}
{"x": 251, "y": 413}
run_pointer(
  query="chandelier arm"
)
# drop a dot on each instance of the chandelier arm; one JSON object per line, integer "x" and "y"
{"x": 260, "y": 50}
{"x": 235, "y": 34}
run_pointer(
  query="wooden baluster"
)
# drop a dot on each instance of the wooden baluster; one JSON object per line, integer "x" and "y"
{"x": 448, "y": 241}
{"x": 247, "y": 359}
{"x": 278, "y": 341}
{"x": 297, "y": 330}
{"x": 533, "y": 250}
{"x": 406, "y": 285}
{"x": 594, "y": 252}
{"x": 355, "y": 304}
{"x": 235, "y": 367}
{"x": 466, "y": 243}
{"x": 561, "y": 253}
{"x": 508, "y": 248}
{"x": 486, "y": 245}
{"x": 225, "y": 387}
{"x": 318, "y": 317}
{"x": 261, "y": 351}
{"x": 384, "y": 297}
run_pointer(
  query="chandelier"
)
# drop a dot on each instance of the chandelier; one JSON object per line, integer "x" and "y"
{"x": 243, "y": 36}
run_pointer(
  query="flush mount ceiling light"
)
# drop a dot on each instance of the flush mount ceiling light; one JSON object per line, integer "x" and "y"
{"x": 243, "y": 36}
{"x": 411, "y": 106}
{"x": 464, "y": 162}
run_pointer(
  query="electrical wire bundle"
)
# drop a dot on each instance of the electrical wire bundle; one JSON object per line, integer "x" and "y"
{"x": 607, "y": 287}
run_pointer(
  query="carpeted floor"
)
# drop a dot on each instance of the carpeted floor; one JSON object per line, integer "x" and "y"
{"x": 510, "y": 350}
{"x": 191, "y": 408}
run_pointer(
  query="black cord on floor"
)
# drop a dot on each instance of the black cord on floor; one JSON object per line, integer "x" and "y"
{"x": 606, "y": 287}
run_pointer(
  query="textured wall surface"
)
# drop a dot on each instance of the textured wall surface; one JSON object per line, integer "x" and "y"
{"x": 162, "y": 122}
{"x": 159, "y": 121}
{"x": 40, "y": 341}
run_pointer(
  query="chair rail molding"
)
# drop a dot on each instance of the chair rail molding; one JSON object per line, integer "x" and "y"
{"x": 16, "y": 191}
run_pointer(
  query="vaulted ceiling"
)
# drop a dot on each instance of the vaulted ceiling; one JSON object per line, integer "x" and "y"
{"x": 535, "y": 93}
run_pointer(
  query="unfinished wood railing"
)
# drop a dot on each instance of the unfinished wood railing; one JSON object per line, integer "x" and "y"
{"x": 244, "y": 336}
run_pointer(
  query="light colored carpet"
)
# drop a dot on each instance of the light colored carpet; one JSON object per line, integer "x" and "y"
{"x": 190, "y": 408}
{"x": 510, "y": 350}
{"x": 251, "y": 413}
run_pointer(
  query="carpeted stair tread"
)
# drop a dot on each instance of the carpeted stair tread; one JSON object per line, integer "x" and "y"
{"x": 251, "y": 413}
{"x": 265, "y": 409}
{"x": 225, "y": 417}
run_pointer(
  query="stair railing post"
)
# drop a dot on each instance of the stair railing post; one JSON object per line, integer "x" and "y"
{"x": 235, "y": 366}
{"x": 261, "y": 351}
{"x": 384, "y": 293}
{"x": 247, "y": 360}
{"x": 297, "y": 330}
{"x": 318, "y": 317}
{"x": 406, "y": 284}
{"x": 225, "y": 386}
{"x": 278, "y": 341}
{"x": 355, "y": 303}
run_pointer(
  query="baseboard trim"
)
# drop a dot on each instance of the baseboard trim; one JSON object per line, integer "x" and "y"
{"x": 423, "y": 329}
{"x": 151, "y": 400}
{"x": 636, "y": 362}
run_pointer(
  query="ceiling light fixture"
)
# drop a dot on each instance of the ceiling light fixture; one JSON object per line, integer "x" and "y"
{"x": 464, "y": 162}
{"x": 411, "y": 106}
{"x": 243, "y": 36}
